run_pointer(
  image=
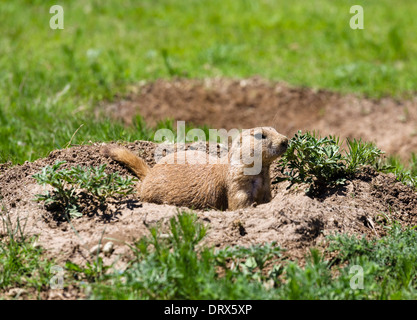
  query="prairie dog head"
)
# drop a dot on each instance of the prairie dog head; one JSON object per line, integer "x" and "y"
{"x": 257, "y": 147}
{"x": 274, "y": 144}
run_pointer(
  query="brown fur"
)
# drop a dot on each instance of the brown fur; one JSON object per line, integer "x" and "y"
{"x": 221, "y": 186}
{"x": 133, "y": 162}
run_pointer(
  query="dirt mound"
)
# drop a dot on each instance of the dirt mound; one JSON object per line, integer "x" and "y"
{"x": 296, "y": 221}
{"x": 225, "y": 103}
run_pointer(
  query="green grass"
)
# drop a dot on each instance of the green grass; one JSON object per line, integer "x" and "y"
{"x": 406, "y": 173}
{"x": 177, "y": 267}
{"x": 50, "y": 80}
{"x": 22, "y": 263}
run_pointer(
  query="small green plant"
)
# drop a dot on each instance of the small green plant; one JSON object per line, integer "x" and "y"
{"x": 406, "y": 174}
{"x": 68, "y": 184}
{"x": 21, "y": 262}
{"x": 179, "y": 267}
{"x": 388, "y": 262}
{"x": 93, "y": 271}
{"x": 319, "y": 162}
{"x": 361, "y": 153}
{"x": 312, "y": 160}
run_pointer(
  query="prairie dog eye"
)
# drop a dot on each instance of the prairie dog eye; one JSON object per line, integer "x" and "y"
{"x": 260, "y": 136}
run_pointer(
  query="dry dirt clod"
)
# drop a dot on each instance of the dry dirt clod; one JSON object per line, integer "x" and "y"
{"x": 94, "y": 250}
{"x": 108, "y": 248}
{"x": 16, "y": 293}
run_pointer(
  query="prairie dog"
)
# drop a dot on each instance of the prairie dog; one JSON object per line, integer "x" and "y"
{"x": 223, "y": 185}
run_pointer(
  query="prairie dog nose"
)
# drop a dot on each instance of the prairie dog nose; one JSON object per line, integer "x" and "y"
{"x": 284, "y": 143}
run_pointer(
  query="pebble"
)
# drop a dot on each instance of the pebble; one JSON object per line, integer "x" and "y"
{"x": 108, "y": 248}
{"x": 94, "y": 249}
{"x": 16, "y": 292}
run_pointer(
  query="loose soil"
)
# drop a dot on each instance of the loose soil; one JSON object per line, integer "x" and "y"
{"x": 294, "y": 220}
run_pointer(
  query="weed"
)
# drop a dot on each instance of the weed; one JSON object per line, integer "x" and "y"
{"x": 361, "y": 154}
{"x": 68, "y": 183}
{"x": 388, "y": 262}
{"x": 177, "y": 267}
{"x": 21, "y": 262}
{"x": 180, "y": 267}
{"x": 93, "y": 271}
{"x": 406, "y": 174}
{"x": 319, "y": 162}
{"x": 312, "y": 160}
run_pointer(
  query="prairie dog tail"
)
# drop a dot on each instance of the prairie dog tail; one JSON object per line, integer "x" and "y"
{"x": 133, "y": 162}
